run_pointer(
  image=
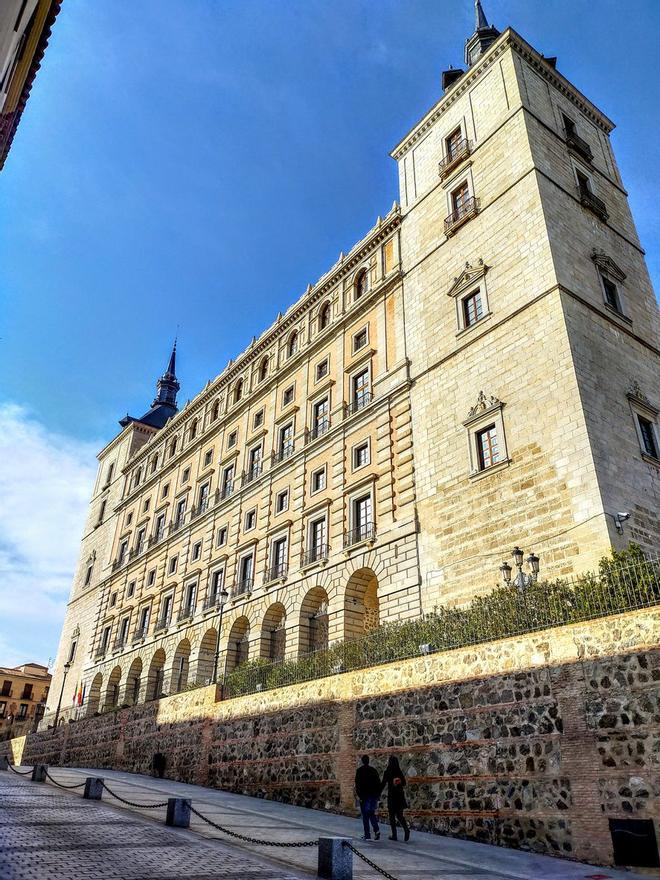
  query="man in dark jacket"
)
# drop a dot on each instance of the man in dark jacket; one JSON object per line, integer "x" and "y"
{"x": 368, "y": 787}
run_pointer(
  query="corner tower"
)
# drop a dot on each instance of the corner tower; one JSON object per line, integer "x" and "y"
{"x": 531, "y": 326}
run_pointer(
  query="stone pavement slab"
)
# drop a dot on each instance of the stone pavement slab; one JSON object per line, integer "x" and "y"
{"x": 426, "y": 856}
{"x": 48, "y": 835}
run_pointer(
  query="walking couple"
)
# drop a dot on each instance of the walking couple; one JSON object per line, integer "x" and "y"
{"x": 369, "y": 787}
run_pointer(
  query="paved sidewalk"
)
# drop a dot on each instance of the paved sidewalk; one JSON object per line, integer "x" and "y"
{"x": 427, "y": 856}
{"x": 50, "y": 834}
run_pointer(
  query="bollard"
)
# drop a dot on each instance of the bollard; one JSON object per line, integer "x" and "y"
{"x": 4, "y": 763}
{"x": 39, "y": 772}
{"x": 93, "y": 788}
{"x": 335, "y": 859}
{"x": 178, "y": 812}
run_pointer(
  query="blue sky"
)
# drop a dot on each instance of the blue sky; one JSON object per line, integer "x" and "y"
{"x": 197, "y": 163}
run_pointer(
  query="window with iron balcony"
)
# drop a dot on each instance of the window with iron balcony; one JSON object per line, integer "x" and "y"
{"x": 464, "y": 207}
{"x": 457, "y": 149}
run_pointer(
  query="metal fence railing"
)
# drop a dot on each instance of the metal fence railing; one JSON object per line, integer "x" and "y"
{"x": 501, "y": 614}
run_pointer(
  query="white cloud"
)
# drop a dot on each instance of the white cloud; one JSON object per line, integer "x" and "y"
{"x": 45, "y": 484}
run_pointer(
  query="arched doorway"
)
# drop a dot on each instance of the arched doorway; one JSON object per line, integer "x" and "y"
{"x": 238, "y": 647}
{"x": 180, "y": 666}
{"x": 361, "y": 605}
{"x": 133, "y": 682}
{"x": 112, "y": 689}
{"x": 206, "y": 657}
{"x": 314, "y": 628}
{"x": 155, "y": 675}
{"x": 273, "y": 633}
{"x": 94, "y": 698}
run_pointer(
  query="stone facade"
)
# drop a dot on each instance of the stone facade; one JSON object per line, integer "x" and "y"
{"x": 451, "y": 377}
{"x": 533, "y": 742}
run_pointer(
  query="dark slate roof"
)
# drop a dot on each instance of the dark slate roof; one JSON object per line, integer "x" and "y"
{"x": 156, "y": 417}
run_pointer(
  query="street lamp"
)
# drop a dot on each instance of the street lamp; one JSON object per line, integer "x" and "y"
{"x": 67, "y": 666}
{"x": 522, "y": 580}
{"x": 222, "y": 599}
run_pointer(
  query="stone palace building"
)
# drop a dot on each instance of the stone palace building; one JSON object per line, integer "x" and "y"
{"x": 480, "y": 371}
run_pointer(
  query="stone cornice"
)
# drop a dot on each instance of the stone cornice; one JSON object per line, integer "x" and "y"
{"x": 509, "y": 38}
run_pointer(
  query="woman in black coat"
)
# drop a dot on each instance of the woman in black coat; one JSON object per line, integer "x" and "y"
{"x": 395, "y": 782}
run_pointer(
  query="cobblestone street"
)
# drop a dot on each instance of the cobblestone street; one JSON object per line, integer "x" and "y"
{"x": 48, "y": 833}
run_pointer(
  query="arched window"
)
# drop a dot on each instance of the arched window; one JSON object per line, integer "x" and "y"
{"x": 238, "y": 391}
{"x": 193, "y": 429}
{"x": 292, "y": 347}
{"x": 263, "y": 369}
{"x": 215, "y": 411}
{"x": 324, "y": 316}
{"x": 361, "y": 283}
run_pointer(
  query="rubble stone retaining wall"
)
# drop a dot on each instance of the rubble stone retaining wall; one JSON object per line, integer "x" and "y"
{"x": 533, "y": 742}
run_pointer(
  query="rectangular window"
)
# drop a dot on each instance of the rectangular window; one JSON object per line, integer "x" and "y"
{"x": 166, "y": 610}
{"x": 221, "y": 538}
{"x": 322, "y": 370}
{"x": 3, "y": 709}
{"x": 320, "y": 417}
{"x": 141, "y": 539}
{"x": 282, "y": 501}
{"x": 251, "y": 519}
{"x": 228, "y": 481}
{"x": 647, "y": 433}
{"x": 569, "y": 125}
{"x": 611, "y": 293}
{"x": 459, "y": 199}
{"x": 487, "y": 447}
{"x": 146, "y": 504}
{"x": 362, "y": 518}
{"x": 254, "y": 462}
{"x": 196, "y": 551}
{"x": 203, "y": 499}
{"x": 287, "y": 397}
{"x": 186, "y": 475}
{"x": 472, "y": 308}
{"x": 6, "y": 688}
{"x": 285, "y": 444}
{"x": 279, "y": 558}
{"x": 360, "y": 392}
{"x": 130, "y": 590}
{"x": 258, "y": 419}
{"x": 151, "y": 578}
{"x": 22, "y": 712}
{"x": 246, "y": 570}
{"x": 179, "y": 513}
{"x": 231, "y": 439}
{"x": 123, "y": 630}
{"x": 159, "y": 528}
{"x": 361, "y": 455}
{"x": 88, "y": 575}
{"x": 123, "y": 550}
{"x": 129, "y": 518}
{"x": 318, "y": 480}
{"x": 208, "y": 457}
{"x": 217, "y": 581}
{"x": 453, "y": 143}
{"x": 72, "y": 651}
{"x": 584, "y": 184}
{"x": 27, "y": 692}
{"x": 171, "y": 567}
{"x": 105, "y": 638}
{"x": 189, "y": 602}
{"x": 317, "y": 536}
{"x": 113, "y": 600}
{"x": 360, "y": 339}
{"x": 165, "y": 491}
{"x": 144, "y": 620}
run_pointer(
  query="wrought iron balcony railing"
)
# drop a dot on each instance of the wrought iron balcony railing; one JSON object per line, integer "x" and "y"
{"x": 139, "y": 635}
{"x": 280, "y": 454}
{"x": 178, "y": 524}
{"x": 250, "y": 475}
{"x": 454, "y": 157}
{"x": 243, "y": 587}
{"x": 359, "y": 402}
{"x": 212, "y": 601}
{"x": 226, "y": 492}
{"x": 592, "y": 202}
{"x": 469, "y": 208}
{"x": 119, "y": 643}
{"x": 157, "y": 537}
{"x": 163, "y": 623}
{"x": 276, "y": 573}
{"x": 364, "y": 532}
{"x": 199, "y": 510}
{"x": 579, "y": 145}
{"x": 319, "y": 429}
{"x": 186, "y": 613}
{"x": 318, "y": 553}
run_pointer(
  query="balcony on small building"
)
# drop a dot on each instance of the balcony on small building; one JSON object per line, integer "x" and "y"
{"x": 459, "y": 151}
{"x": 461, "y": 214}
{"x": 212, "y": 601}
{"x": 199, "y": 510}
{"x": 364, "y": 532}
{"x": 140, "y": 635}
{"x": 226, "y": 492}
{"x": 242, "y": 587}
{"x": 276, "y": 573}
{"x": 178, "y": 524}
{"x": 251, "y": 475}
{"x": 162, "y": 624}
{"x": 101, "y": 651}
{"x": 120, "y": 561}
{"x": 186, "y": 613}
{"x": 592, "y": 202}
{"x": 318, "y": 553}
{"x": 157, "y": 537}
{"x": 119, "y": 643}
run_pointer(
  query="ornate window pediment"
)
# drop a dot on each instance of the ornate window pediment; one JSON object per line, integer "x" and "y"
{"x": 483, "y": 405}
{"x": 469, "y": 276}
{"x": 636, "y": 395}
{"x": 607, "y": 265}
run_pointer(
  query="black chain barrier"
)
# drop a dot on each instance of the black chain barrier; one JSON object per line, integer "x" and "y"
{"x": 132, "y": 803}
{"x": 251, "y": 839}
{"x": 20, "y": 772}
{"x": 371, "y": 864}
{"x": 61, "y": 785}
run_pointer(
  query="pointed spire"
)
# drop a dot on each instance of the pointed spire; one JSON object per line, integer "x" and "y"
{"x": 484, "y": 35}
{"x": 168, "y": 385}
{"x": 480, "y": 20}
